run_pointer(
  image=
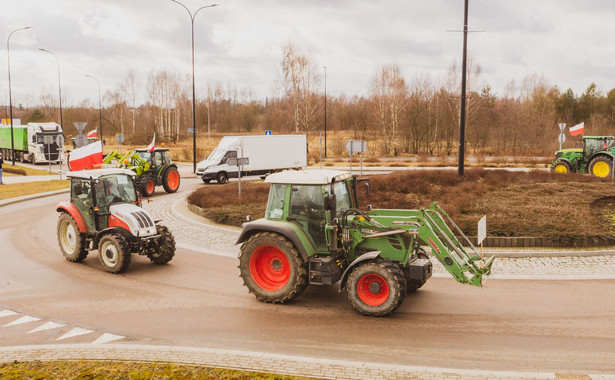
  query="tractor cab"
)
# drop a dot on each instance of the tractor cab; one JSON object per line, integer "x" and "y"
{"x": 596, "y": 144}
{"x": 156, "y": 159}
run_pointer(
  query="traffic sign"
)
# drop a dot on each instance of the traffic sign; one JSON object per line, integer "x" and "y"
{"x": 562, "y": 126}
{"x": 80, "y": 125}
{"x": 60, "y": 140}
{"x": 267, "y": 133}
{"x": 562, "y": 138}
{"x": 191, "y": 130}
{"x": 119, "y": 138}
{"x": 81, "y": 140}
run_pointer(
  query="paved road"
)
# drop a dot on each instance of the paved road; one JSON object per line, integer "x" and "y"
{"x": 197, "y": 305}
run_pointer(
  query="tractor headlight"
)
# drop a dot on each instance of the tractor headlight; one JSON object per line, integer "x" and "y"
{"x": 147, "y": 231}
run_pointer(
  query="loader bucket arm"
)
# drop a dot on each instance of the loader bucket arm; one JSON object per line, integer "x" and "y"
{"x": 434, "y": 231}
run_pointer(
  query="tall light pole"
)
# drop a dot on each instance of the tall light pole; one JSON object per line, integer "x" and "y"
{"x": 59, "y": 83}
{"x": 8, "y": 54}
{"x": 192, "y": 16}
{"x": 99, "y": 109}
{"x": 325, "y": 111}
{"x": 462, "y": 117}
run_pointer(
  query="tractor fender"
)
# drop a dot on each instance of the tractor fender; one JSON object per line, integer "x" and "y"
{"x": 70, "y": 208}
{"x": 282, "y": 228}
{"x": 364, "y": 257}
{"x": 605, "y": 154}
{"x": 565, "y": 160}
{"x": 119, "y": 230}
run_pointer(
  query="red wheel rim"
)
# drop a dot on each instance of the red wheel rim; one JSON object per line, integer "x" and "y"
{"x": 173, "y": 180}
{"x": 269, "y": 268}
{"x": 373, "y": 289}
{"x": 150, "y": 186}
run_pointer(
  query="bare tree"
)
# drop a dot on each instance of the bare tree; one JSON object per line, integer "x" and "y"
{"x": 389, "y": 95}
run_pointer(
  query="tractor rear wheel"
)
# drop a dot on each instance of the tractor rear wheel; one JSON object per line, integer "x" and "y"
{"x": 170, "y": 180}
{"x": 376, "y": 288}
{"x": 561, "y": 167}
{"x": 601, "y": 166}
{"x": 146, "y": 185}
{"x": 271, "y": 268}
{"x": 166, "y": 249}
{"x": 71, "y": 240}
{"x": 114, "y": 253}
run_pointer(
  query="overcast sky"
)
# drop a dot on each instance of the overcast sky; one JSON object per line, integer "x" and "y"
{"x": 569, "y": 42}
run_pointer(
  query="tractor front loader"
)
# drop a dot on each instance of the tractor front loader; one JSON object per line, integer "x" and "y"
{"x": 151, "y": 168}
{"x": 314, "y": 233}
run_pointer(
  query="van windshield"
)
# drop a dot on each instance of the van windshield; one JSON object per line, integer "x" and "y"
{"x": 217, "y": 155}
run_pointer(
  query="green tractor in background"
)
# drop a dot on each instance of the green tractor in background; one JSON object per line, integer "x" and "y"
{"x": 594, "y": 158}
{"x": 152, "y": 169}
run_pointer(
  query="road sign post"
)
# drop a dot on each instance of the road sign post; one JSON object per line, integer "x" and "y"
{"x": 239, "y": 162}
{"x": 356, "y": 146}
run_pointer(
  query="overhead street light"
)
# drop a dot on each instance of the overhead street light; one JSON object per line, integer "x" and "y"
{"x": 99, "y": 109}
{"x": 59, "y": 83}
{"x": 8, "y": 54}
{"x": 192, "y": 16}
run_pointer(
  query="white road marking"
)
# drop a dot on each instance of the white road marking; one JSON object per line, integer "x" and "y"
{"x": 6, "y": 313}
{"x": 46, "y": 326}
{"x": 24, "y": 319}
{"x": 106, "y": 338}
{"x": 75, "y": 332}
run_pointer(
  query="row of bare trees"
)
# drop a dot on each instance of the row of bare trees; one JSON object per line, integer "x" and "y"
{"x": 398, "y": 116}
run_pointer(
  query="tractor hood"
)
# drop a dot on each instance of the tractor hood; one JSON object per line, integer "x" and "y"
{"x": 132, "y": 218}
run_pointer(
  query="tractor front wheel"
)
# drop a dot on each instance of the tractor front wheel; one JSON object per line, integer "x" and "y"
{"x": 166, "y": 248}
{"x": 170, "y": 180}
{"x": 146, "y": 185}
{"x": 71, "y": 240}
{"x": 561, "y": 167}
{"x": 271, "y": 268}
{"x": 376, "y": 288}
{"x": 114, "y": 253}
{"x": 601, "y": 166}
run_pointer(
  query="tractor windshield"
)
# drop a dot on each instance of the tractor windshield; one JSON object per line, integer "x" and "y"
{"x": 115, "y": 188}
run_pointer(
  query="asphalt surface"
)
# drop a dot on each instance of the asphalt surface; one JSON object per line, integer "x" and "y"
{"x": 545, "y": 329}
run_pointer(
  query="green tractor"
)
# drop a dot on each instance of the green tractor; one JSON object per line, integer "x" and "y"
{"x": 314, "y": 233}
{"x": 594, "y": 158}
{"x": 152, "y": 169}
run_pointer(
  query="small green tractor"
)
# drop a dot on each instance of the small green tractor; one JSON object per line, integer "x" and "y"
{"x": 594, "y": 158}
{"x": 314, "y": 233}
{"x": 152, "y": 169}
{"x": 105, "y": 214}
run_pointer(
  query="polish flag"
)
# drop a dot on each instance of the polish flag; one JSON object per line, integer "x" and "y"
{"x": 577, "y": 129}
{"x": 85, "y": 157}
{"x": 150, "y": 148}
{"x": 91, "y": 134}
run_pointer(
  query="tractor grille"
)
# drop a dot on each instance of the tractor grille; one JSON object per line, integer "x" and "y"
{"x": 144, "y": 220}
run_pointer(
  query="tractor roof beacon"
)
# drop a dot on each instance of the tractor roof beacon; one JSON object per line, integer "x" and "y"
{"x": 594, "y": 158}
{"x": 314, "y": 233}
{"x": 104, "y": 213}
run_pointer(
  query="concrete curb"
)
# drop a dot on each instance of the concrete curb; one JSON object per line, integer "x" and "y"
{"x": 258, "y": 362}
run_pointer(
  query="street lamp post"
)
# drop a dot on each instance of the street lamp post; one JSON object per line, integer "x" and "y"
{"x": 99, "y": 109}
{"x": 59, "y": 83}
{"x": 192, "y": 16}
{"x": 8, "y": 54}
{"x": 462, "y": 116}
{"x": 325, "y": 111}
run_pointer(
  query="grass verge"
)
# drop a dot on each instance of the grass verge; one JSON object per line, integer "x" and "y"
{"x": 534, "y": 203}
{"x": 22, "y": 170}
{"x": 122, "y": 370}
{"x": 27, "y": 188}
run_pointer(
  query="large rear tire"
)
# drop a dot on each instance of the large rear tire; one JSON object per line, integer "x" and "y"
{"x": 271, "y": 268}
{"x": 71, "y": 240}
{"x": 114, "y": 253}
{"x": 601, "y": 166}
{"x": 166, "y": 250}
{"x": 170, "y": 180}
{"x": 376, "y": 288}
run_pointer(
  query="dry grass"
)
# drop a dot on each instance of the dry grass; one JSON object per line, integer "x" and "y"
{"x": 516, "y": 204}
{"x": 27, "y": 188}
{"x": 8, "y": 169}
{"x": 122, "y": 370}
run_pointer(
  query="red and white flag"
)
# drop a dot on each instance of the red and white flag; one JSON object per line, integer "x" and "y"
{"x": 85, "y": 157}
{"x": 150, "y": 148}
{"x": 577, "y": 129}
{"x": 91, "y": 134}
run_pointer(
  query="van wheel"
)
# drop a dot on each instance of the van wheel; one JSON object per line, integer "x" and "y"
{"x": 222, "y": 178}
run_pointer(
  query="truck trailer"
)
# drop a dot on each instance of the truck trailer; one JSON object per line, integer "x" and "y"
{"x": 265, "y": 154}
{"x": 34, "y": 142}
